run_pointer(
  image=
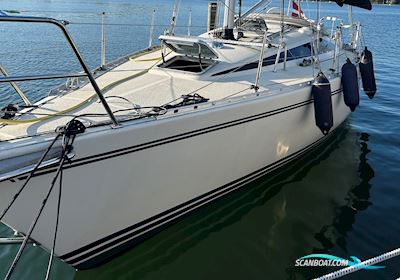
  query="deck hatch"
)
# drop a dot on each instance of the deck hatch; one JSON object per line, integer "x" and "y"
{"x": 192, "y": 47}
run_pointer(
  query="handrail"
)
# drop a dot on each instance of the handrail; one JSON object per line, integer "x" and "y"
{"x": 16, "y": 88}
{"x": 61, "y": 25}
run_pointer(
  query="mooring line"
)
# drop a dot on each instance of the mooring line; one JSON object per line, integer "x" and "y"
{"x": 354, "y": 268}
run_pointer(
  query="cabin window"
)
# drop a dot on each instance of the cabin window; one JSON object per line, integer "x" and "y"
{"x": 300, "y": 51}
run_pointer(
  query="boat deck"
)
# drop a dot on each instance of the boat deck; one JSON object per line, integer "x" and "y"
{"x": 138, "y": 82}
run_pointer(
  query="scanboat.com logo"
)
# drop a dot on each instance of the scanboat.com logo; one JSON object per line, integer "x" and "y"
{"x": 330, "y": 260}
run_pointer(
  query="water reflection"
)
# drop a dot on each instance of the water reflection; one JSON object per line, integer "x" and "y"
{"x": 275, "y": 218}
{"x": 357, "y": 200}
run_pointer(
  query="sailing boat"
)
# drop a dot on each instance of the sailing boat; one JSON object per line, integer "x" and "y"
{"x": 103, "y": 164}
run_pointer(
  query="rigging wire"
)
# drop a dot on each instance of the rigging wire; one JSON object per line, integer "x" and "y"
{"x": 317, "y": 41}
{"x": 48, "y": 11}
{"x": 308, "y": 8}
{"x": 282, "y": 14}
{"x": 259, "y": 13}
{"x": 312, "y": 48}
{"x": 69, "y": 133}
{"x": 29, "y": 177}
{"x": 49, "y": 266}
{"x": 31, "y": 50}
{"x": 175, "y": 13}
{"x": 131, "y": 24}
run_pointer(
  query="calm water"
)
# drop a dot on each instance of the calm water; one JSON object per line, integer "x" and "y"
{"x": 341, "y": 199}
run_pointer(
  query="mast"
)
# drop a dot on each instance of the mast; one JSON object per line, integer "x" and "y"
{"x": 239, "y": 12}
{"x": 229, "y": 19}
{"x": 299, "y": 5}
{"x": 350, "y": 12}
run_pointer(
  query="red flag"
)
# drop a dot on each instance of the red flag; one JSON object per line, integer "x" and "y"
{"x": 296, "y": 12}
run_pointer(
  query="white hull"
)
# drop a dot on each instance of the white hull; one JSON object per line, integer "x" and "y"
{"x": 125, "y": 183}
{"x": 200, "y": 117}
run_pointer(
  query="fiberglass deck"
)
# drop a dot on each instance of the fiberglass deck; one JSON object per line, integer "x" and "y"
{"x": 138, "y": 81}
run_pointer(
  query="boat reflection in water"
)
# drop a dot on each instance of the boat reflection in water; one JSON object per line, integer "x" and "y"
{"x": 332, "y": 237}
{"x": 308, "y": 206}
